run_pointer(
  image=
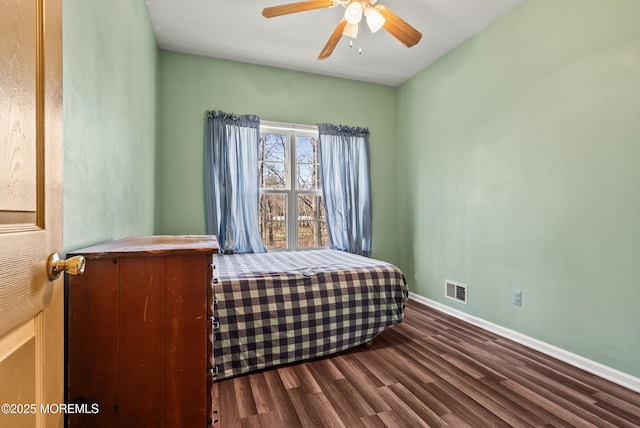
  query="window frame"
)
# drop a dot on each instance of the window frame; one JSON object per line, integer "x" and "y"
{"x": 291, "y": 191}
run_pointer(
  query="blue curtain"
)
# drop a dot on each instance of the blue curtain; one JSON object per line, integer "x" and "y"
{"x": 344, "y": 169}
{"x": 231, "y": 181}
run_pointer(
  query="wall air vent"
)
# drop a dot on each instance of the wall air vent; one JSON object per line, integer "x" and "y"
{"x": 455, "y": 291}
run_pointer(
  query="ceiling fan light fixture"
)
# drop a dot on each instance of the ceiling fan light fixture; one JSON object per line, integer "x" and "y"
{"x": 351, "y": 30}
{"x": 377, "y": 16}
{"x": 353, "y": 14}
{"x": 375, "y": 20}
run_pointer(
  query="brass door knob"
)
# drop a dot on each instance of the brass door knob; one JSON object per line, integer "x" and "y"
{"x": 72, "y": 266}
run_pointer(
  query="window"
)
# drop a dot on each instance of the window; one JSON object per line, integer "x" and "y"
{"x": 291, "y": 207}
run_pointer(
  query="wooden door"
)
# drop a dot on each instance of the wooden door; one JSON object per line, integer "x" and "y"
{"x": 31, "y": 306}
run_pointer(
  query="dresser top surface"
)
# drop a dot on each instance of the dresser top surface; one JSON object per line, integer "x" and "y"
{"x": 159, "y": 245}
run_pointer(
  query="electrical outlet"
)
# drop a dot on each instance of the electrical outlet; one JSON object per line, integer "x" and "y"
{"x": 516, "y": 297}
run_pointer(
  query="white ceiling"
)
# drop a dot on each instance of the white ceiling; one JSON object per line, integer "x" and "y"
{"x": 236, "y": 30}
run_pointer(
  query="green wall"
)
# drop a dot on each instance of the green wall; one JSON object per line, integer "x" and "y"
{"x": 110, "y": 84}
{"x": 190, "y": 85}
{"x": 521, "y": 151}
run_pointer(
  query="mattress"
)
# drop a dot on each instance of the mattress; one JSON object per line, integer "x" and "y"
{"x": 282, "y": 307}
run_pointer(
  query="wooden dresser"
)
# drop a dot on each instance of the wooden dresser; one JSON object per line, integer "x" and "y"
{"x": 140, "y": 333}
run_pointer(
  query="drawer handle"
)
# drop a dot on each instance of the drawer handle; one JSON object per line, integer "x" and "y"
{"x": 215, "y": 419}
{"x": 214, "y": 324}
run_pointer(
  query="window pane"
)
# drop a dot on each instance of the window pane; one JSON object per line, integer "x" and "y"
{"x": 273, "y": 175}
{"x": 273, "y": 162}
{"x": 312, "y": 224}
{"x": 273, "y": 220}
{"x": 273, "y": 147}
{"x": 307, "y": 177}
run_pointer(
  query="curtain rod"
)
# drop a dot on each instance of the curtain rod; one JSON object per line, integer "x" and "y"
{"x": 281, "y": 126}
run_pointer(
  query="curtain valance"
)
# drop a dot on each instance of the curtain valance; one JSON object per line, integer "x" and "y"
{"x": 245, "y": 120}
{"x": 343, "y": 130}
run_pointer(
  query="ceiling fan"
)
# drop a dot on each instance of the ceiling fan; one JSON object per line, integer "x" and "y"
{"x": 377, "y": 16}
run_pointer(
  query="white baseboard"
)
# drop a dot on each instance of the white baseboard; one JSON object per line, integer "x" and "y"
{"x": 598, "y": 369}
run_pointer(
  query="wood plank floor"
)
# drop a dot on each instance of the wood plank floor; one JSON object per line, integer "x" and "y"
{"x": 432, "y": 370}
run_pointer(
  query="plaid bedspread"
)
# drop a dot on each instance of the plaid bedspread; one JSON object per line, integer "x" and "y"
{"x": 281, "y": 307}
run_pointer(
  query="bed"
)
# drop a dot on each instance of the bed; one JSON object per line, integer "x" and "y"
{"x": 282, "y": 307}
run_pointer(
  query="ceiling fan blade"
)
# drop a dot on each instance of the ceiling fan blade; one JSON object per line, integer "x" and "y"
{"x": 301, "y": 6}
{"x": 398, "y": 27}
{"x": 333, "y": 40}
